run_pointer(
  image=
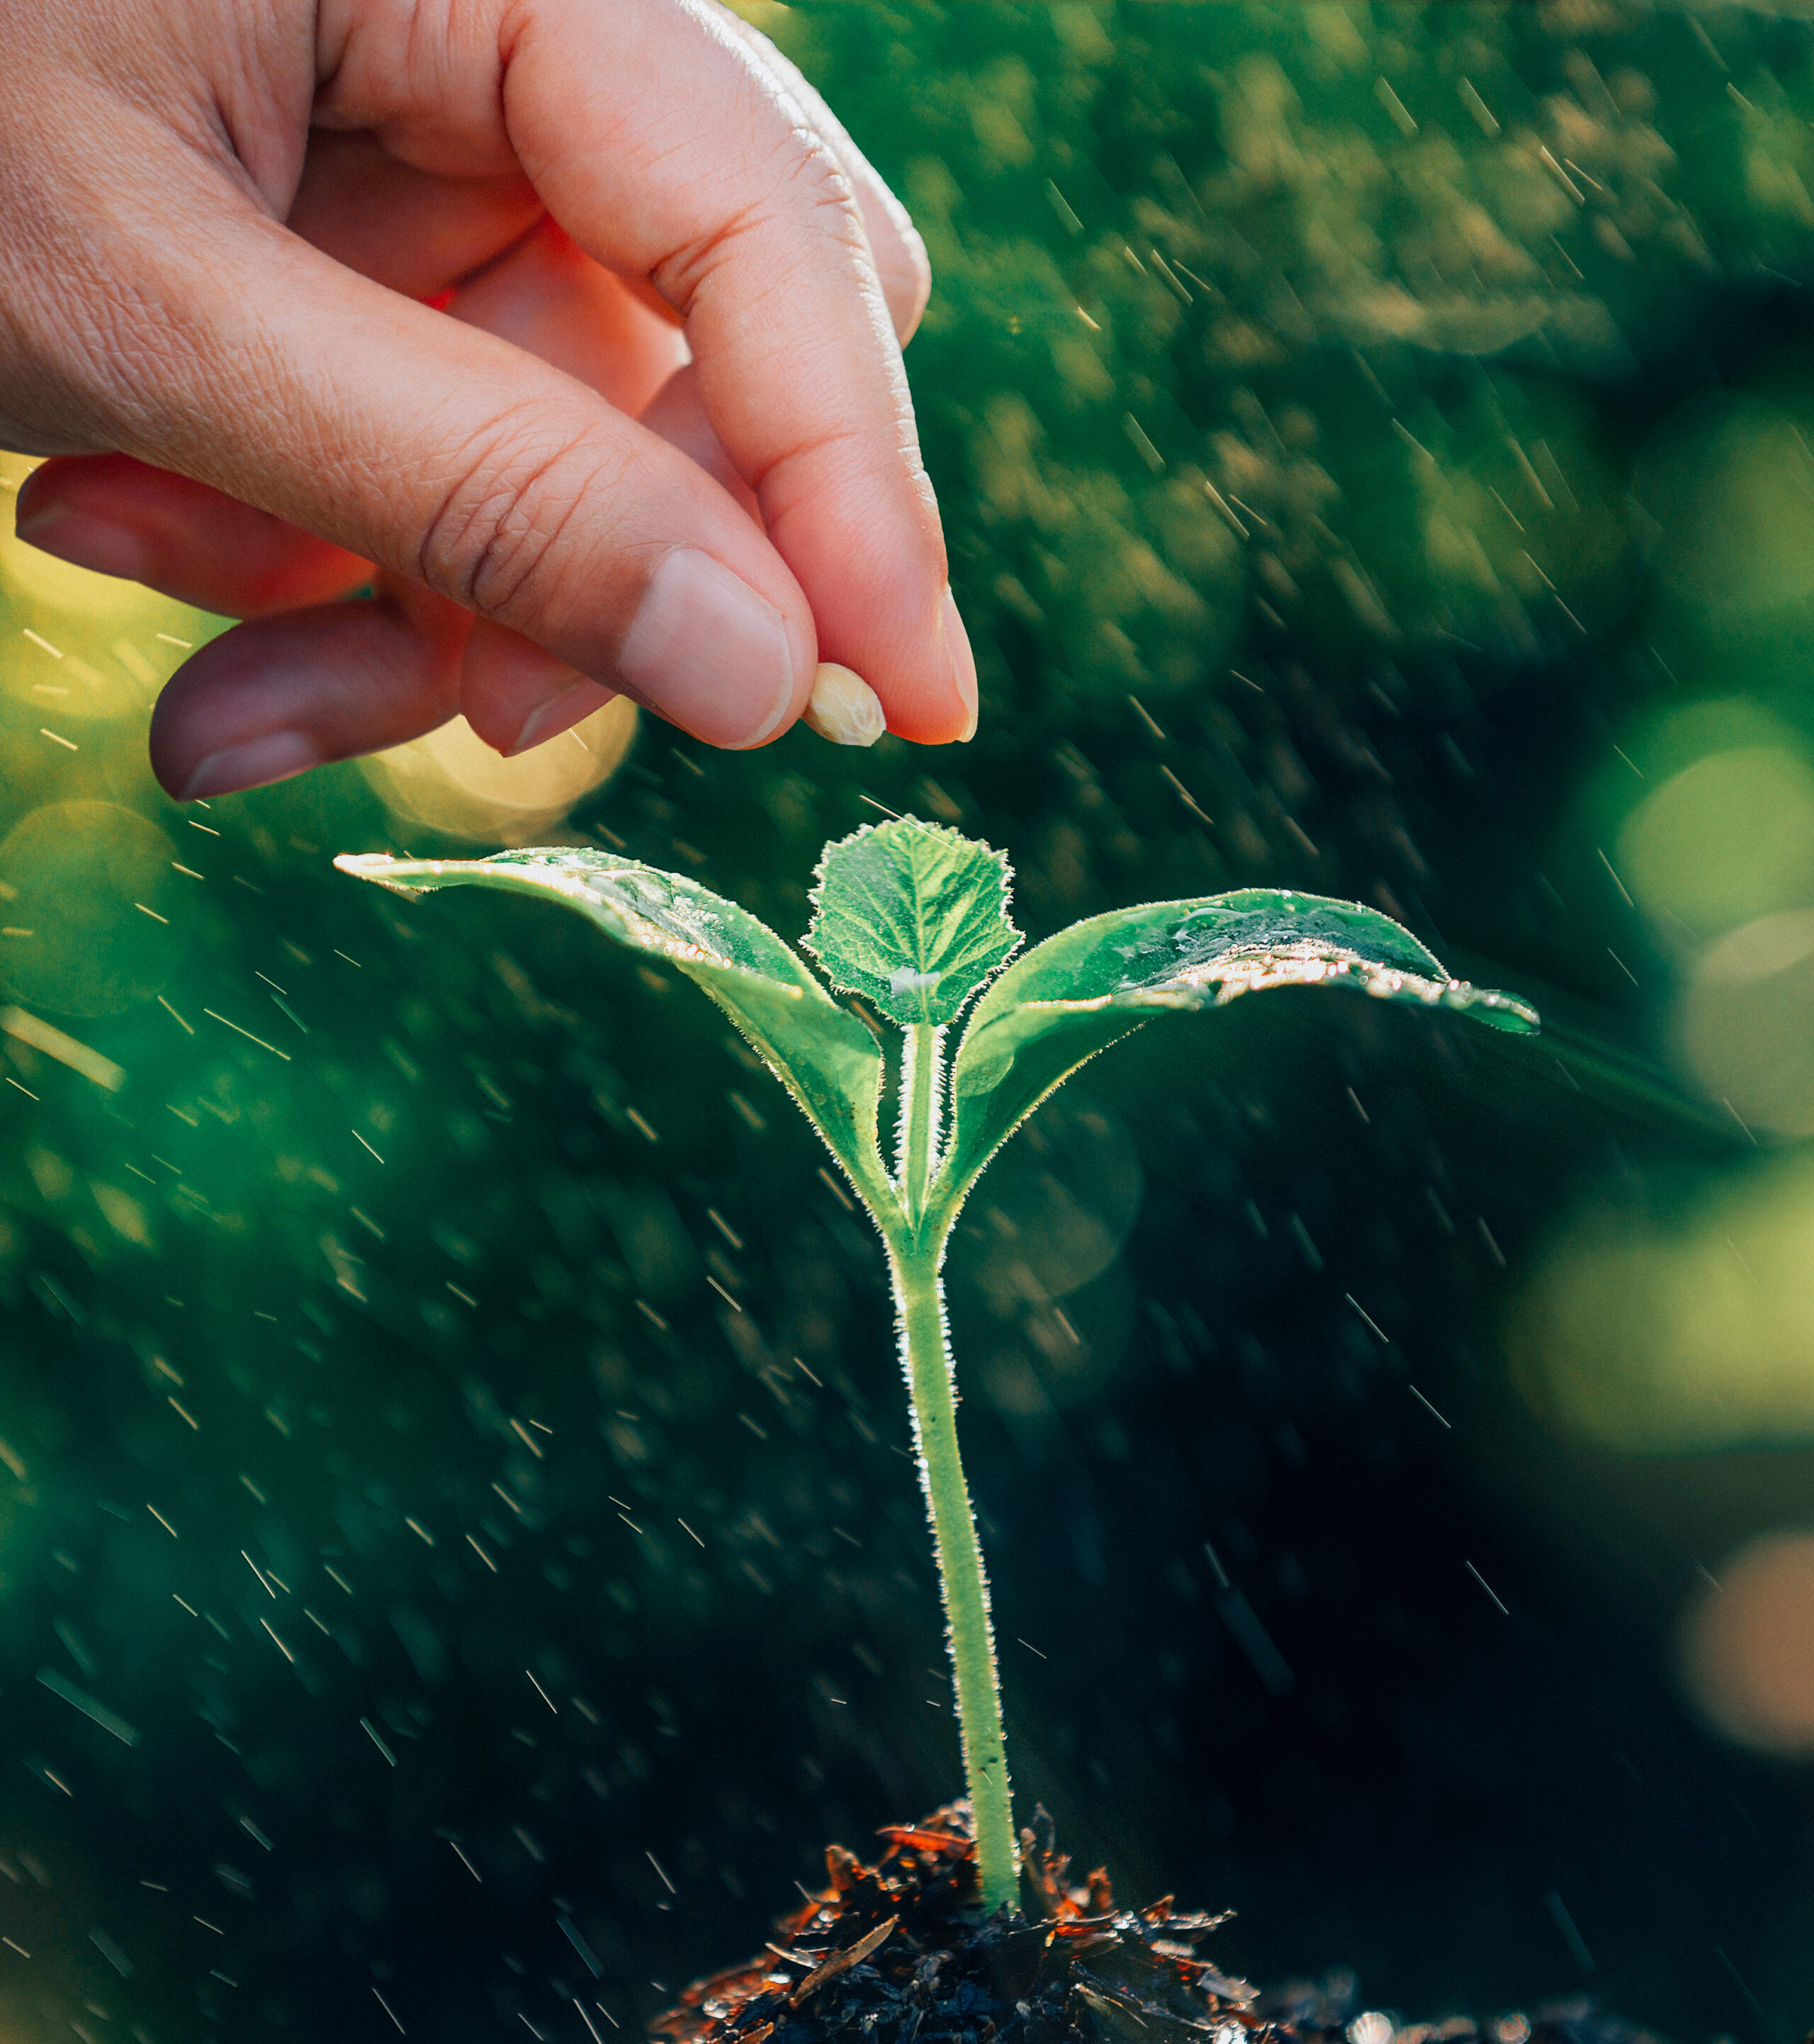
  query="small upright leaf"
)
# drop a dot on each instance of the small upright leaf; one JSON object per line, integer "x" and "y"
{"x": 819, "y": 1052}
{"x": 1080, "y": 991}
{"x": 913, "y": 916}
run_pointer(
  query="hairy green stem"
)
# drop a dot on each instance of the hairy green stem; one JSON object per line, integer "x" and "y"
{"x": 914, "y": 1261}
{"x": 916, "y": 1150}
{"x": 916, "y": 1250}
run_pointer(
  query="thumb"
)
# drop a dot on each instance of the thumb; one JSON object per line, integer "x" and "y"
{"x": 446, "y": 454}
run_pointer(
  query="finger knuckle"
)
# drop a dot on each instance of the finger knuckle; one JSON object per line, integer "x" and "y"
{"x": 796, "y": 183}
{"x": 509, "y": 495}
{"x": 816, "y": 183}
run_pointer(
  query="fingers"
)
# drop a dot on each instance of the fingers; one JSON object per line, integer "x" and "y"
{"x": 457, "y": 459}
{"x": 515, "y": 696}
{"x": 271, "y": 699}
{"x": 718, "y": 187}
{"x": 550, "y": 298}
{"x": 678, "y": 415}
{"x": 899, "y": 255}
{"x": 118, "y": 516}
{"x": 404, "y": 227}
{"x": 235, "y": 713}
{"x": 224, "y": 716}
{"x": 115, "y": 516}
{"x": 248, "y": 361}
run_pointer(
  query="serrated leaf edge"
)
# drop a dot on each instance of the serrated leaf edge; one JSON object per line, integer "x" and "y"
{"x": 1005, "y": 866}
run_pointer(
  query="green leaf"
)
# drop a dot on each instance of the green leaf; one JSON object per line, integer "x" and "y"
{"x": 820, "y": 1052}
{"x": 1080, "y": 991}
{"x": 913, "y": 916}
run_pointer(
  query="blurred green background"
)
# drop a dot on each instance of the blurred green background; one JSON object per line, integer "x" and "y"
{"x": 458, "y": 1549}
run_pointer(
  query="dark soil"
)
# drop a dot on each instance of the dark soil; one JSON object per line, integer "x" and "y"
{"x": 900, "y": 1953}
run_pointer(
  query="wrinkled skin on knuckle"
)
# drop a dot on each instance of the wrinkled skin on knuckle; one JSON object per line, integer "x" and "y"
{"x": 797, "y": 181}
{"x": 423, "y": 78}
{"x": 253, "y": 120}
{"x": 505, "y": 535}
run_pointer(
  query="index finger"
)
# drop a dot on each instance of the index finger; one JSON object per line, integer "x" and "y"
{"x": 720, "y": 188}
{"x": 899, "y": 254}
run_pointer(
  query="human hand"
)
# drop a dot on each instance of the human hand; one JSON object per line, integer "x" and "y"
{"x": 232, "y": 234}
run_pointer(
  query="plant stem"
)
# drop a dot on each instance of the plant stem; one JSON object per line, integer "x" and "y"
{"x": 914, "y": 1261}
{"x": 922, "y": 1064}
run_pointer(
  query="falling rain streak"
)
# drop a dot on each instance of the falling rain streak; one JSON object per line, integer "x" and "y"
{"x": 458, "y": 1527}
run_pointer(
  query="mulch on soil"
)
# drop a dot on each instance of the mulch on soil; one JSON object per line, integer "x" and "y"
{"x": 900, "y": 1953}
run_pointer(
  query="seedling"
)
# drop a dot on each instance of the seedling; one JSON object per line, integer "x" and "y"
{"x": 911, "y": 918}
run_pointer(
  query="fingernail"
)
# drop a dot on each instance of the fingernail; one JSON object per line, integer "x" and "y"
{"x": 279, "y": 755}
{"x": 90, "y": 543}
{"x": 559, "y": 713}
{"x": 963, "y": 663}
{"x": 843, "y": 707}
{"x": 708, "y": 653}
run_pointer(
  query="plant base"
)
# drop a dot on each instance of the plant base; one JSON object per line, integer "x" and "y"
{"x": 902, "y": 1950}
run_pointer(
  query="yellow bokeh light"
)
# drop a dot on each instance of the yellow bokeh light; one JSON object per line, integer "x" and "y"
{"x": 452, "y": 782}
{"x": 1743, "y": 1024}
{"x": 1728, "y": 838}
{"x": 1730, "y": 483}
{"x": 99, "y": 605}
{"x": 1680, "y": 1333}
{"x": 79, "y": 647}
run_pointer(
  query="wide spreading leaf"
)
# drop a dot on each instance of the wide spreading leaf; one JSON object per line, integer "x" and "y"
{"x": 820, "y": 1052}
{"x": 913, "y": 916}
{"x": 1080, "y": 991}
